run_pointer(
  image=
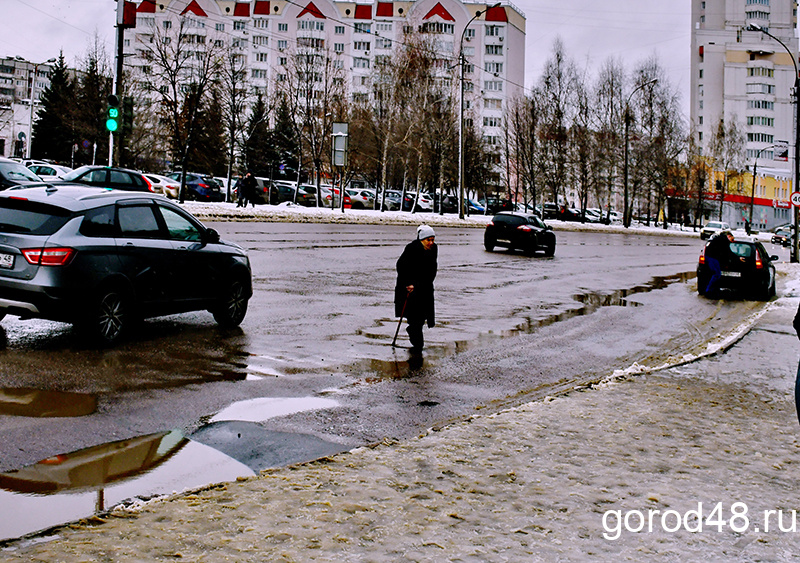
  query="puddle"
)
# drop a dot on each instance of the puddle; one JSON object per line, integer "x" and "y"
{"x": 68, "y": 487}
{"x": 589, "y": 303}
{"x": 264, "y": 408}
{"x": 39, "y": 403}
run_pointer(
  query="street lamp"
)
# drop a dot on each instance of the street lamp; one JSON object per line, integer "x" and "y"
{"x": 30, "y": 103}
{"x": 462, "y": 63}
{"x": 754, "y": 27}
{"x": 753, "y": 191}
{"x": 626, "y": 222}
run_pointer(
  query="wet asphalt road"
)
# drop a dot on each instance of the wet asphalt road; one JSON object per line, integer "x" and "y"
{"x": 311, "y": 370}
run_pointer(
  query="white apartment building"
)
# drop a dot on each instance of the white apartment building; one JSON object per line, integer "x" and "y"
{"x": 18, "y": 78}
{"x": 359, "y": 34}
{"x": 745, "y": 74}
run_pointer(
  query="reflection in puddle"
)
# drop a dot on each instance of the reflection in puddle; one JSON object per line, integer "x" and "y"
{"x": 68, "y": 487}
{"x": 40, "y": 403}
{"x": 264, "y": 408}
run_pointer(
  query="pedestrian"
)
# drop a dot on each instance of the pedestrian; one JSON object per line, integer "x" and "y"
{"x": 416, "y": 270}
{"x": 247, "y": 190}
{"x": 796, "y": 325}
{"x": 717, "y": 254}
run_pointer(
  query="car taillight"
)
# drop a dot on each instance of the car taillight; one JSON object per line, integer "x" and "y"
{"x": 703, "y": 255}
{"x": 149, "y": 183}
{"x": 759, "y": 262}
{"x": 48, "y": 256}
{"x": 490, "y": 224}
{"x": 204, "y": 186}
{"x": 524, "y": 228}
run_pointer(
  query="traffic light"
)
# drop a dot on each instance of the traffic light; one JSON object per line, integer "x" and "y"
{"x": 113, "y": 114}
{"x": 127, "y": 115}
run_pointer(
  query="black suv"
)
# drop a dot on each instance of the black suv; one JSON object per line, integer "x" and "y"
{"x": 104, "y": 259}
{"x": 750, "y": 271}
{"x": 523, "y": 231}
{"x": 110, "y": 178}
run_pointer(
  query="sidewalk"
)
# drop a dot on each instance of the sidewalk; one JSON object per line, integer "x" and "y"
{"x": 542, "y": 482}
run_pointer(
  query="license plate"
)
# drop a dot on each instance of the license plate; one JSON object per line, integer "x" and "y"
{"x": 6, "y": 260}
{"x": 732, "y": 274}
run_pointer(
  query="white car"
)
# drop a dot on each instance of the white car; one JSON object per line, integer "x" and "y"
{"x": 163, "y": 185}
{"x": 712, "y": 228}
{"x": 49, "y": 172}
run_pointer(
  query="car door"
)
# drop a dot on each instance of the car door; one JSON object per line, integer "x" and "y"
{"x": 197, "y": 262}
{"x": 146, "y": 256}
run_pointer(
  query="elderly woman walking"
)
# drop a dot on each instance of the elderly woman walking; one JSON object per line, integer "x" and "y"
{"x": 413, "y": 294}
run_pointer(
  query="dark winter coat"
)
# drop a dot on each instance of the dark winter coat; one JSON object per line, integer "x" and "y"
{"x": 719, "y": 247}
{"x": 417, "y": 267}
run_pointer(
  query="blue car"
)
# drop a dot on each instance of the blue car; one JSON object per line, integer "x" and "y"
{"x": 200, "y": 187}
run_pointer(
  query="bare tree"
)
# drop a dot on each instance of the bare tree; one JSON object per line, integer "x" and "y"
{"x": 727, "y": 149}
{"x": 183, "y": 67}
{"x": 609, "y": 110}
{"x": 236, "y": 94}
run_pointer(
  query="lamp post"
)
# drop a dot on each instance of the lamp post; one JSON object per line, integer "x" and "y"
{"x": 626, "y": 222}
{"x": 796, "y": 95}
{"x": 462, "y": 63}
{"x": 30, "y": 103}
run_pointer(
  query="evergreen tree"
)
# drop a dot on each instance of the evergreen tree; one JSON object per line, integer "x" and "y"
{"x": 53, "y": 129}
{"x": 208, "y": 151}
{"x": 285, "y": 142}
{"x": 90, "y": 114}
{"x": 258, "y": 140}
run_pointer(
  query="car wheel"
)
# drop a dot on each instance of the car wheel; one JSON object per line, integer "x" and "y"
{"x": 489, "y": 244}
{"x": 109, "y": 318}
{"x": 550, "y": 251}
{"x": 232, "y": 307}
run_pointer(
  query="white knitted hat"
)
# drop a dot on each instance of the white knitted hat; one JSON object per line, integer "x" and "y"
{"x": 425, "y": 231}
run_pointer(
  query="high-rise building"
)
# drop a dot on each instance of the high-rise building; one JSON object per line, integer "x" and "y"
{"x": 359, "y": 35}
{"x": 746, "y": 75}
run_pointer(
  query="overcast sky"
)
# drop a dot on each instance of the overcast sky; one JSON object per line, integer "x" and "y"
{"x": 592, "y": 31}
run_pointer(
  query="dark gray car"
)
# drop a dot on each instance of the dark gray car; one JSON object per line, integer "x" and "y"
{"x": 104, "y": 259}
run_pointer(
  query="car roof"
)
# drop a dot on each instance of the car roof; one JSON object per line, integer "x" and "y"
{"x": 516, "y": 214}
{"x": 76, "y": 197}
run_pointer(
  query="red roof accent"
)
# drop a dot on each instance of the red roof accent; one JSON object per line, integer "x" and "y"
{"x": 261, "y": 8}
{"x": 438, "y": 10}
{"x": 241, "y": 10}
{"x": 313, "y": 10}
{"x": 385, "y": 10}
{"x": 701, "y": 50}
{"x": 128, "y": 14}
{"x": 496, "y": 14}
{"x": 363, "y": 12}
{"x": 146, "y": 7}
{"x": 195, "y": 8}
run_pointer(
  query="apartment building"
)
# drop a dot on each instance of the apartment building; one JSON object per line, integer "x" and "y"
{"x": 18, "y": 78}
{"x": 359, "y": 35}
{"x": 747, "y": 75}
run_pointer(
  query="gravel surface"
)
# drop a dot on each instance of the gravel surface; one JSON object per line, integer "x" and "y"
{"x": 618, "y": 471}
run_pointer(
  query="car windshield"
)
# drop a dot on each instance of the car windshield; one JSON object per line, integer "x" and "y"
{"x": 17, "y": 173}
{"x": 713, "y": 225}
{"x": 76, "y": 173}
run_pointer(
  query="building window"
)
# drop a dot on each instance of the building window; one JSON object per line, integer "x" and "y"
{"x": 167, "y": 24}
{"x": 260, "y": 40}
{"x": 261, "y": 23}
{"x": 493, "y": 85}
{"x": 494, "y": 49}
{"x": 761, "y": 71}
{"x": 493, "y": 30}
{"x": 438, "y": 27}
{"x": 283, "y": 27}
{"x": 283, "y": 44}
{"x": 701, "y": 73}
{"x": 491, "y": 122}
{"x": 493, "y": 104}
{"x": 361, "y": 45}
{"x": 283, "y": 61}
{"x": 339, "y": 30}
{"x": 759, "y": 2}
{"x": 760, "y": 104}
{"x": 239, "y": 26}
{"x": 701, "y": 120}
{"x": 758, "y": 88}
{"x": 383, "y": 26}
{"x": 220, "y": 27}
{"x": 761, "y": 120}
{"x": 494, "y": 68}
{"x": 310, "y": 25}
{"x": 359, "y": 62}
{"x": 383, "y": 43}
{"x": 259, "y": 73}
{"x": 362, "y": 28}
{"x": 338, "y": 47}
{"x": 262, "y": 57}
{"x": 760, "y": 138}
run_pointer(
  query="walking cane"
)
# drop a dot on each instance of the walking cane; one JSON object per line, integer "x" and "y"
{"x": 402, "y": 314}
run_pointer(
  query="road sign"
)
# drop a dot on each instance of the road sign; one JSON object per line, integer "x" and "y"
{"x": 795, "y": 199}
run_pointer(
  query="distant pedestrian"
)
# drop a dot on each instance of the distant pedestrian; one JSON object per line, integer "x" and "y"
{"x": 247, "y": 190}
{"x": 416, "y": 270}
{"x": 717, "y": 255}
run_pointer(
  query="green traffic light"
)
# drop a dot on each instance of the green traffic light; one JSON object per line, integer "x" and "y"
{"x": 113, "y": 112}
{"x": 111, "y": 124}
